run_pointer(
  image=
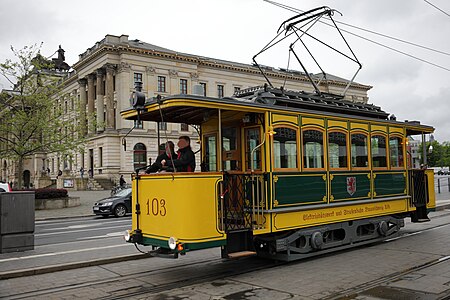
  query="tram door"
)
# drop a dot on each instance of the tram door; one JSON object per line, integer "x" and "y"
{"x": 419, "y": 193}
{"x": 241, "y": 210}
{"x": 243, "y": 189}
{"x": 234, "y": 183}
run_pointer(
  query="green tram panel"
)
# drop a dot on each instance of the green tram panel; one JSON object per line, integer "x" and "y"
{"x": 350, "y": 186}
{"x": 299, "y": 189}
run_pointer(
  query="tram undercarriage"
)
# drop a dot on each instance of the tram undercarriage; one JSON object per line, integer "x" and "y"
{"x": 307, "y": 242}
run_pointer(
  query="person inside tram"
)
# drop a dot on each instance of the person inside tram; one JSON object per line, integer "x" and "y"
{"x": 166, "y": 156}
{"x": 185, "y": 160}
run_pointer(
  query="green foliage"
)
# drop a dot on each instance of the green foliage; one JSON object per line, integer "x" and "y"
{"x": 439, "y": 156}
{"x": 33, "y": 121}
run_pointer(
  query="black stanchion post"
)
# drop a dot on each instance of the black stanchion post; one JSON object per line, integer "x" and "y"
{"x": 439, "y": 185}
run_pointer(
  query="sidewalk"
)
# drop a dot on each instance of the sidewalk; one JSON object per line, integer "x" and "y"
{"x": 87, "y": 200}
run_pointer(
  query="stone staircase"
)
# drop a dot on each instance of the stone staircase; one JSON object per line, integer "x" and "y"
{"x": 100, "y": 184}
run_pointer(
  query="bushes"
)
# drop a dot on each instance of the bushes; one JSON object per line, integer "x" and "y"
{"x": 50, "y": 193}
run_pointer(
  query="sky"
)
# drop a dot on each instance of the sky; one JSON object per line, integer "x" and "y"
{"x": 235, "y": 30}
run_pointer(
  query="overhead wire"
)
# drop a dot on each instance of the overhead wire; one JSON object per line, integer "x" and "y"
{"x": 441, "y": 10}
{"x": 293, "y": 9}
{"x": 372, "y": 41}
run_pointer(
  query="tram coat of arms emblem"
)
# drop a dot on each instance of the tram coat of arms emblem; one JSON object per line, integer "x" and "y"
{"x": 351, "y": 185}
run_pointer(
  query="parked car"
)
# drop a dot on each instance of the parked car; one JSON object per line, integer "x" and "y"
{"x": 118, "y": 205}
{"x": 4, "y": 187}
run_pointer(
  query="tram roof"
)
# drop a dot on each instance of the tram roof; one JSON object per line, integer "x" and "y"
{"x": 194, "y": 109}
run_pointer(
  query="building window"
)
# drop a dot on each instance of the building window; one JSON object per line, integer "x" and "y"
{"x": 337, "y": 150}
{"x": 138, "y": 124}
{"x": 313, "y": 149}
{"x": 378, "y": 146}
{"x": 359, "y": 155}
{"x": 203, "y": 84}
{"x": 137, "y": 77}
{"x": 184, "y": 127}
{"x": 139, "y": 156}
{"x": 161, "y": 84}
{"x": 285, "y": 148}
{"x": 162, "y": 126}
{"x": 183, "y": 86}
{"x": 396, "y": 152}
{"x": 100, "y": 156}
{"x": 220, "y": 91}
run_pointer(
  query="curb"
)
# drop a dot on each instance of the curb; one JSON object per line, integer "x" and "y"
{"x": 70, "y": 266}
{"x": 63, "y": 217}
{"x": 442, "y": 207}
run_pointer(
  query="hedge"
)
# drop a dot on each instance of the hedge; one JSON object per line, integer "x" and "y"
{"x": 46, "y": 193}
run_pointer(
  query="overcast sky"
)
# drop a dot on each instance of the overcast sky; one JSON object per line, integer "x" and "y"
{"x": 235, "y": 30}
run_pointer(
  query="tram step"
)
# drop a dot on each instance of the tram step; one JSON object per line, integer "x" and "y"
{"x": 241, "y": 254}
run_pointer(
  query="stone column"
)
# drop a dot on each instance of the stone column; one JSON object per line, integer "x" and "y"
{"x": 110, "y": 97}
{"x": 100, "y": 105}
{"x": 82, "y": 85}
{"x": 91, "y": 99}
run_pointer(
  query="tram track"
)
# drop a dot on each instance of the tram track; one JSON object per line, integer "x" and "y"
{"x": 355, "y": 291}
{"x": 209, "y": 270}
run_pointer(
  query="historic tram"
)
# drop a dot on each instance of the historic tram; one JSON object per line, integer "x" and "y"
{"x": 284, "y": 175}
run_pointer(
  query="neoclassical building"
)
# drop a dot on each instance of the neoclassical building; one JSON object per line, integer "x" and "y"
{"x": 104, "y": 77}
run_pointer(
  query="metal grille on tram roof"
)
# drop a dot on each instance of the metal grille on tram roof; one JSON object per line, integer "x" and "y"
{"x": 323, "y": 102}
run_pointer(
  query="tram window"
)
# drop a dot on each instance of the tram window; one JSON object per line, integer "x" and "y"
{"x": 337, "y": 150}
{"x": 378, "y": 146}
{"x": 359, "y": 151}
{"x": 210, "y": 161}
{"x": 252, "y": 140}
{"x": 285, "y": 148}
{"x": 396, "y": 152}
{"x": 313, "y": 149}
{"x": 230, "y": 155}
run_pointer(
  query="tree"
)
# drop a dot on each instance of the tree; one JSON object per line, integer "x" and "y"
{"x": 32, "y": 120}
{"x": 439, "y": 156}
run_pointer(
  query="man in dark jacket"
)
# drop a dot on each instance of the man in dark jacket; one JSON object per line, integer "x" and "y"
{"x": 166, "y": 157}
{"x": 185, "y": 161}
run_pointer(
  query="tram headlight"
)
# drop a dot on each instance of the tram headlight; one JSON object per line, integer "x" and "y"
{"x": 127, "y": 236}
{"x": 172, "y": 243}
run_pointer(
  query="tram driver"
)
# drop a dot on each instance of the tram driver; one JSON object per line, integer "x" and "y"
{"x": 185, "y": 160}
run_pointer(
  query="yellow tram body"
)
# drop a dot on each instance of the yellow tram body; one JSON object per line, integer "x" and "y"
{"x": 316, "y": 186}
{"x": 180, "y": 206}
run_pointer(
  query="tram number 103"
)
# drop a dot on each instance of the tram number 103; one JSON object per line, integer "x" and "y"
{"x": 156, "y": 207}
